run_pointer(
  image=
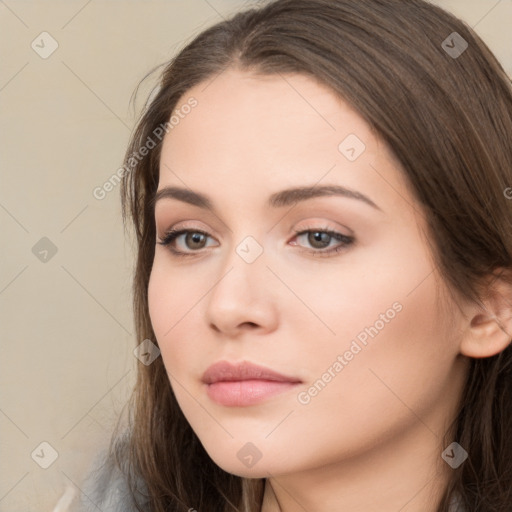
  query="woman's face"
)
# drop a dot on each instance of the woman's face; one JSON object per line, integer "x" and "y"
{"x": 355, "y": 318}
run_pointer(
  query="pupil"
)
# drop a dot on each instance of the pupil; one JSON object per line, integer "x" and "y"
{"x": 196, "y": 237}
{"x": 318, "y": 236}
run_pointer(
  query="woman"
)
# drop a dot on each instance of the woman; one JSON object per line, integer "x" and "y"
{"x": 323, "y": 277}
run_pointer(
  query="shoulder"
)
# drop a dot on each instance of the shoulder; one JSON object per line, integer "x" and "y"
{"x": 106, "y": 488}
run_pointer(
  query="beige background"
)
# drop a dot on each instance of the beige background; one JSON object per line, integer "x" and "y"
{"x": 66, "y": 362}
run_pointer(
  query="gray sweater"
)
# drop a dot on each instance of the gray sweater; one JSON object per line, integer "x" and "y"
{"x": 106, "y": 490}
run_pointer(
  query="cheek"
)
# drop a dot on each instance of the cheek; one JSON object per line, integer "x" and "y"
{"x": 160, "y": 302}
{"x": 397, "y": 381}
{"x": 165, "y": 302}
{"x": 174, "y": 303}
{"x": 388, "y": 324}
{"x": 343, "y": 298}
{"x": 396, "y": 364}
{"x": 171, "y": 294}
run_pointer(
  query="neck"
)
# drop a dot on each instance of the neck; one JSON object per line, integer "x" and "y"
{"x": 406, "y": 474}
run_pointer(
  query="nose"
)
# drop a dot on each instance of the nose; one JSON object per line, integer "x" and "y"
{"x": 243, "y": 297}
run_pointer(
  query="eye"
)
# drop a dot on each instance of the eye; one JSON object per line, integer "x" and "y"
{"x": 194, "y": 237}
{"x": 318, "y": 238}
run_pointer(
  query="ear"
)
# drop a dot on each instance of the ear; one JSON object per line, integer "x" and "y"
{"x": 488, "y": 330}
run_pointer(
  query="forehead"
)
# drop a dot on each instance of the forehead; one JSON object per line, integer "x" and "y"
{"x": 248, "y": 113}
{"x": 250, "y": 132}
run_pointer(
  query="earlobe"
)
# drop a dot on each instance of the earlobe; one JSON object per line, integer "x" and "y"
{"x": 489, "y": 324}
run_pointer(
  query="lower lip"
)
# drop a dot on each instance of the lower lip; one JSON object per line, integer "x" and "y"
{"x": 245, "y": 392}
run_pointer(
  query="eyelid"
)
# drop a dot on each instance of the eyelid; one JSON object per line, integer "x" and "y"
{"x": 344, "y": 241}
{"x": 192, "y": 225}
{"x": 310, "y": 225}
{"x": 324, "y": 225}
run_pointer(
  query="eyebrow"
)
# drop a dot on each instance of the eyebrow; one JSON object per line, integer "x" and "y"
{"x": 276, "y": 200}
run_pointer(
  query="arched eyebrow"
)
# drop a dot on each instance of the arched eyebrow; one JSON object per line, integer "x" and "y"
{"x": 276, "y": 200}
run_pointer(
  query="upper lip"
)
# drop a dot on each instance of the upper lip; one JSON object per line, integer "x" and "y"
{"x": 226, "y": 371}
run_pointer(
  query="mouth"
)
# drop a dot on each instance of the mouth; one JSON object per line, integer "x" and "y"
{"x": 244, "y": 384}
{"x": 245, "y": 392}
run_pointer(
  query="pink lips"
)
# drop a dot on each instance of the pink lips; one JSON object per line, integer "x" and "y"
{"x": 244, "y": 383}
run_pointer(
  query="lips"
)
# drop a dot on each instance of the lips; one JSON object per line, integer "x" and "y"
{"x": 228, "y": 372}
{"x": 244, "y": 384}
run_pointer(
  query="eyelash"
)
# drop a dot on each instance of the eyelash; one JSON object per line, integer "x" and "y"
{"x": 172, "y": 234}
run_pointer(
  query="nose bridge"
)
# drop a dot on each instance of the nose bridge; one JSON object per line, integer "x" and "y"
{"x": 241, "y": 293}
{"x": 244, "y": 266}
{"x": 247, "y": 238}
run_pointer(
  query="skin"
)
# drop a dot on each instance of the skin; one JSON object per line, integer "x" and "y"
{"x": 372, "y": 438}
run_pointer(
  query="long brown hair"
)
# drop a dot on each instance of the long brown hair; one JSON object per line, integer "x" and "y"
{"x": 448, "y": 120}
